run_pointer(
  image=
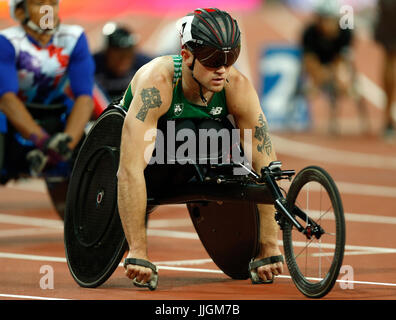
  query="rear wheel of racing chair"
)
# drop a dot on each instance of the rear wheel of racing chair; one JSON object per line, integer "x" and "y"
{"x": 94, "y": 238}
{"x": 229, "y": 231}
{"x": 314, "y": 258}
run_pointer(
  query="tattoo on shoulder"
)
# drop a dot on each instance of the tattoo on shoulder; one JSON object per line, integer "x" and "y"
{"x": 262, "y": 135}
{"x": 151, "y": 99}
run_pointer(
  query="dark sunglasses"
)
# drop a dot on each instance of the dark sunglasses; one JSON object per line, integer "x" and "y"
{"x": 215, "y": 58}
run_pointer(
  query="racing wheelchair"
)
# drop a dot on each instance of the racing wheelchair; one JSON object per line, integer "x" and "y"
{"x": 13, "y": 150}
{"x": 222, "y": 206}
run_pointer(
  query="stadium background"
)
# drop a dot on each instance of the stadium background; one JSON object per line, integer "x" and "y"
{"x": 364, "y": 167}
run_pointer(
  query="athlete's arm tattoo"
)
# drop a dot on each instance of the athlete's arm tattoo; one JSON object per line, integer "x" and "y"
{"x": 151, "y": 99}
{"x": 261, "y": 134}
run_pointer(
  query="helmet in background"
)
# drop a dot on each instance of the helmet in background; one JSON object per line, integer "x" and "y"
{"x": 118, "y": 36}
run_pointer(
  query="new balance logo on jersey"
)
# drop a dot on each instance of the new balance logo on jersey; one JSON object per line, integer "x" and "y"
{"x": 216, "y": 111}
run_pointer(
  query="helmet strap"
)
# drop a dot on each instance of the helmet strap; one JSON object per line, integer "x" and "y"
{"x": 204, "y": 100}
{"x": 27, "y": 16}
{"x": 31, "y": 25}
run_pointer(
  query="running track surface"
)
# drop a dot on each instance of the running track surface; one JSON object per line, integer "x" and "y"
{"x": 363, "y": 166}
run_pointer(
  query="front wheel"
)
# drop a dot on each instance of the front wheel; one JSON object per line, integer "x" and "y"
{"x": 314, "y": 262}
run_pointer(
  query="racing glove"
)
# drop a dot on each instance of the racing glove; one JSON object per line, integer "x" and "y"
{"x": 55, "y": 147}
{"x": 37, "y": 161}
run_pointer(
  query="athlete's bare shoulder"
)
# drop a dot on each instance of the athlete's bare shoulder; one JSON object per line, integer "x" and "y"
{"x": 239, "y": 91}
{"x": 236, "y": 80}
{"x": 158, "y": 70}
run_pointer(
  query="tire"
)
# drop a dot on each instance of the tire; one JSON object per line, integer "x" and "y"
{"x": 326, "y": 202}
{"x": 94, "y": 239}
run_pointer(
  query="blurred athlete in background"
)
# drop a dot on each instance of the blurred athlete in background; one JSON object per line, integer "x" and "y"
{"x": 328, "y": 62}
{"x": 46, "y": 81}
{"x": 385, "y": 34}
{"x": 118, "y": 62}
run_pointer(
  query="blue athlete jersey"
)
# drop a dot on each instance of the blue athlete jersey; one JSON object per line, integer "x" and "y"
{"x": 56, "y": 73}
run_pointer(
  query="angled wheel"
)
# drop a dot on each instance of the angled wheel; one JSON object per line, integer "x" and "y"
{"x": 314, "y": 261}
{"x": 94, "y": 238}
{"x": 230, "y": 234}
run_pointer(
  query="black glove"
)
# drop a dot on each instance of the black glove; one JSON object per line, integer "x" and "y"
{"x": 50, "y": 151}
{"x": 56, "y": 147}
{"x": 37, "y": 161}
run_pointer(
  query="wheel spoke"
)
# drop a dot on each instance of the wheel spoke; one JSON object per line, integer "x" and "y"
{"x": 320, "y": 247}
{"x": 306, "y": 246}
{"x": 320, "y": 202}
{"x": 326, "y": 212}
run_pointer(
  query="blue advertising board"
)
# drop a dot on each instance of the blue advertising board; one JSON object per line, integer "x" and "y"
{"x": 282, "y": 101}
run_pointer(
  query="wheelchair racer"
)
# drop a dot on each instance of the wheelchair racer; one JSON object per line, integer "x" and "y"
{"x": 39, "y": 60}
{"x": 200, "y": 83}
{"x": 328, "y": 62}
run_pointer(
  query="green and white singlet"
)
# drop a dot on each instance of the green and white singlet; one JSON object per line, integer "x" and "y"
{"x": 180, "y": 107}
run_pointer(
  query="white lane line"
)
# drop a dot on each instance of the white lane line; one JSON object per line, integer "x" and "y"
{"x": 347, "y": 281}
{"x": 369, "y": 283}
{"x": 17, "y": 296}
{"x": 190, "y": 262}
{"x": 353, "y": 248}
{"x": 344, "y": 187}
{"x": 190, "y": 269}
{"x": 362, "y": 249}
{"x": 31, "y": 221}
{"x": 51, "y": 226}
{"x": 366, "y": 189}
{"x": 172, "y": 268}
{"x": 356, "y": 217}
{"x": 318, "y": 153}
{"x": 359, "y": 189}
{"x": 28, "y": 232}
{"x": 349, "y": 217}
{"x": 184, "y": 262}
{"x": 29, "y": 184}
{"x": 180, "y": 222}
{"x": 172, "y": 234}
{"x": 161, "y": 223}
{"x": 353, "y": 217}
{"x": 31, "y": 257}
